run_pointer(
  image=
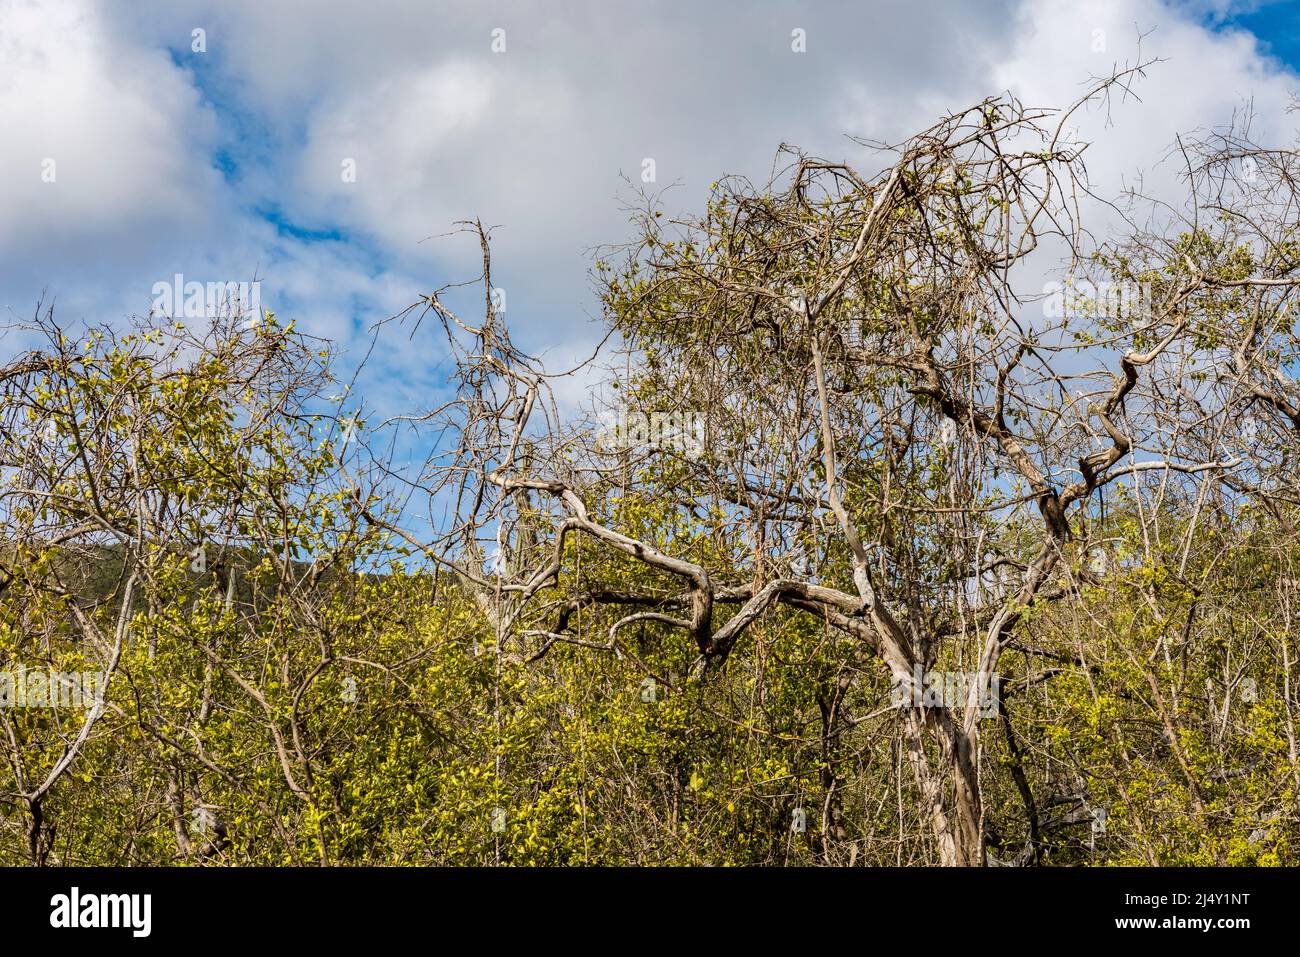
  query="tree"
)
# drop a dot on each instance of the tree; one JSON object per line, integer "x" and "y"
{"x": 927, "y": 527}
{"x": 894, "y": 445}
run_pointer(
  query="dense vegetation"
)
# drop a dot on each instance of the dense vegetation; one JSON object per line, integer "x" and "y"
{"x": 687, "y": 654}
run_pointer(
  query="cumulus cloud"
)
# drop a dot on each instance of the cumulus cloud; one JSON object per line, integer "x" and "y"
{"x": 234, "y": 160}
{"x": 1201, "y": 79}
{"x": 97, "y": 137}
{"x": 546, "y": 138}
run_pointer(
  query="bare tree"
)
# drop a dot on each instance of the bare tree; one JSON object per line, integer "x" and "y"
{"x": 898, "y": 436}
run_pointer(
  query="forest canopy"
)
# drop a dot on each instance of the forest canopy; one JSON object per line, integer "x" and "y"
{"x": 936, "y": 524}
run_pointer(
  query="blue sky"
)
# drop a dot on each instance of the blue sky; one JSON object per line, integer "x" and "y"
{"x": 1276, "y": 24}
{"x": 224, "y": 163}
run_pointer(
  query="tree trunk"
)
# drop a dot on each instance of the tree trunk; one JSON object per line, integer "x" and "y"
{"x": 955, "y": 815}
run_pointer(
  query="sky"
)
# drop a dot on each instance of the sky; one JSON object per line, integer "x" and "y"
{"x": 328, "y": 149}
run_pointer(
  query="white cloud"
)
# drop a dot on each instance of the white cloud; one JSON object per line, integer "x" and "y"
{"x": 1202, "y": 80}
{"x": 117, "y": 128}
{"x": 534, "y": 140}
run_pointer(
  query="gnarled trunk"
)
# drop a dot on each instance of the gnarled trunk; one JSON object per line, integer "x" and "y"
{"x": 955, "y": 810}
